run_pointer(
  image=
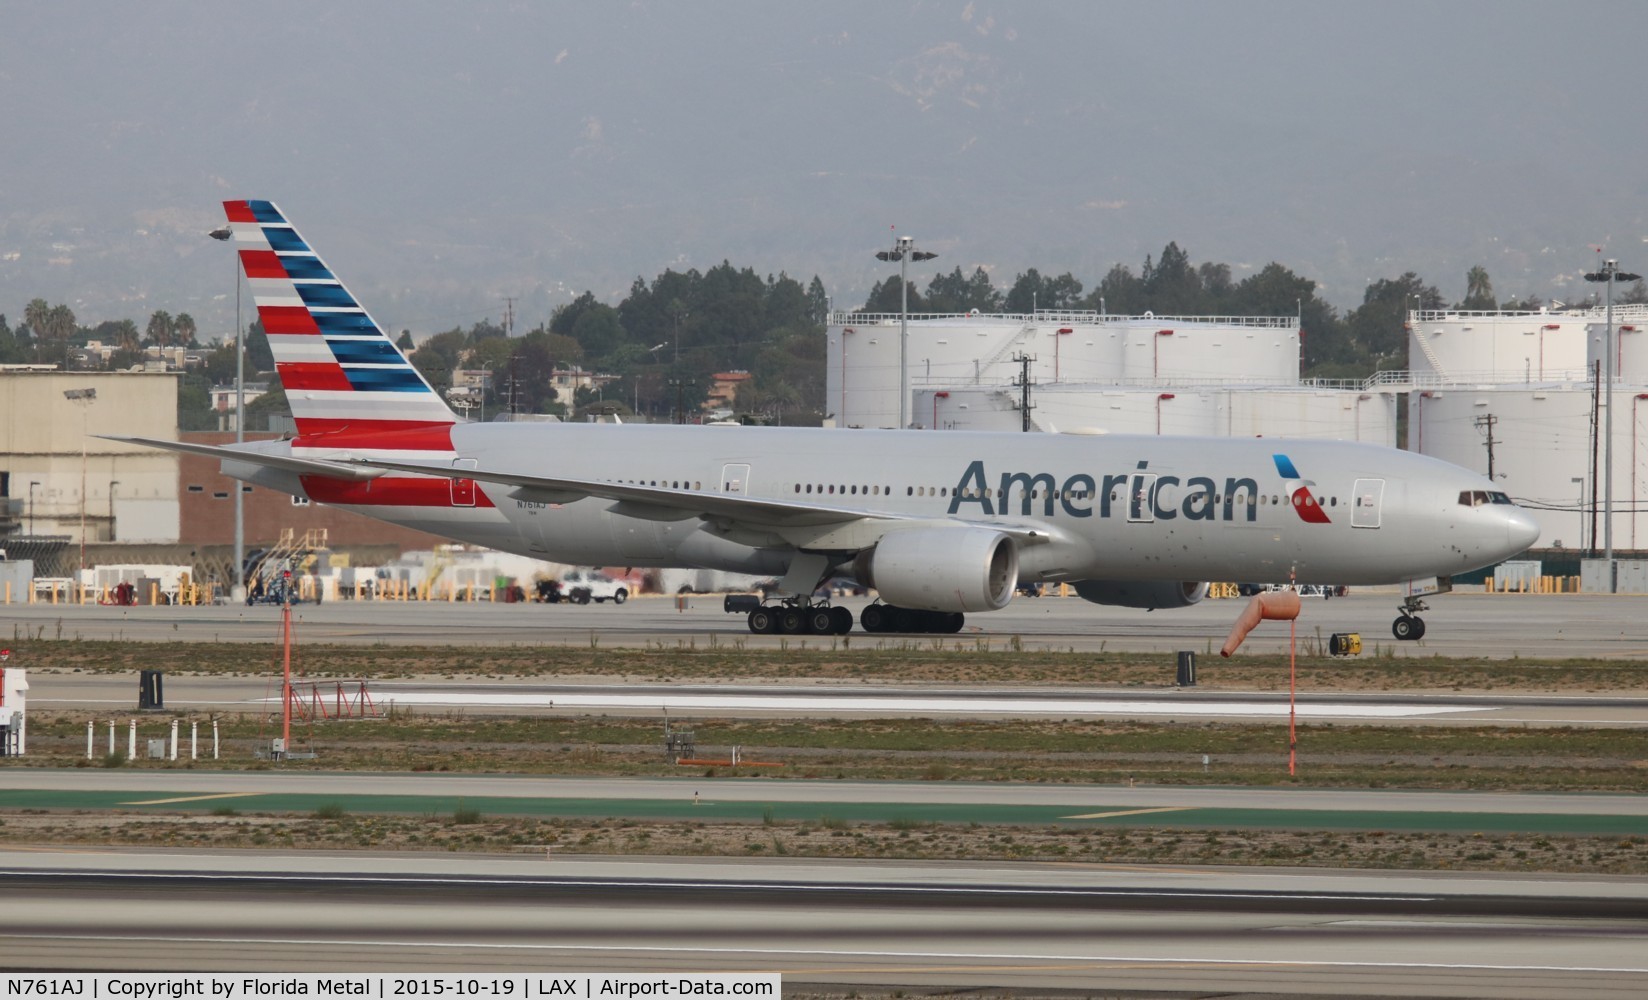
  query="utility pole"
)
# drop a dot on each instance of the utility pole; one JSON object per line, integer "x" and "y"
{"x": 509, "y": 315}
{"x": 1023, "y": 361}
{"x": 1488, "y": 420}
{"x": 680, "y": 386}
{"x": 512, "y": 384}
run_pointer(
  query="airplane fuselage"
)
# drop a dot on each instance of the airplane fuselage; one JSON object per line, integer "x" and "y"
{"x": 1121, "y": 507}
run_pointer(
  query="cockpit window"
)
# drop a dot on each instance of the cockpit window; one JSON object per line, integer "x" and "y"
{"x": 1499, "y": 498}
{"x": 1478, "y": 498}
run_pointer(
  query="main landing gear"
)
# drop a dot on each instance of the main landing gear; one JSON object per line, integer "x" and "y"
{"x": 1408, "y": 626}
{"x": 890, "y": 618}
{"x": 795, "y": 618}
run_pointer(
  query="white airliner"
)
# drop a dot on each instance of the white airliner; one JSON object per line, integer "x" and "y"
{"x": 939, "y": 523}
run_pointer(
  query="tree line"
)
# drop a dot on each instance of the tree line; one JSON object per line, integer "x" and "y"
{"x": 662, "y": 342}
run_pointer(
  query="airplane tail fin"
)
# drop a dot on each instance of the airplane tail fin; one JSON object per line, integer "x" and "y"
{"x": 345, "y": 379}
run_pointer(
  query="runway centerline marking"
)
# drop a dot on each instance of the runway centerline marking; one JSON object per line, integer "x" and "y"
{"x": 915, "y": 705}
{"x": 192, "y": 798}
{"x": 1131, "y": 812}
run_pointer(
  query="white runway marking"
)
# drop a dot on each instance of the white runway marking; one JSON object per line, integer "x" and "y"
{"x": 905, "y": 706}
{"x": 1243, "y": 961}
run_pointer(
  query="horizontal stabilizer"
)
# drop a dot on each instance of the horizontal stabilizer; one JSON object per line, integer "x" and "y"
{"x": 301, "y": 466}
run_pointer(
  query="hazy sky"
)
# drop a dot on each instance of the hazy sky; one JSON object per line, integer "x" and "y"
{"x": 444, "y": 155}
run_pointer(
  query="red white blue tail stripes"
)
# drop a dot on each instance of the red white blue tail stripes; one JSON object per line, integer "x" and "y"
{"x": 346, "y": 382}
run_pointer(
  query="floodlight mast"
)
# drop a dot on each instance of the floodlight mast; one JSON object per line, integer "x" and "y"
{"x": 237, "y": 586}
{"x": 904, "y": 250}
{"x": 1608, "y": 276}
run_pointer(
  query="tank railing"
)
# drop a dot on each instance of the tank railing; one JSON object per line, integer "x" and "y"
{"x": 1084, "y": 317}
{"x": 1198, "y": 381}
{"x": 1596, "y": 312}
{"x": 1389, "y": 381}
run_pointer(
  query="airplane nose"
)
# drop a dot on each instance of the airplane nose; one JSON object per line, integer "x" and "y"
{"x": 1523, "y": 531}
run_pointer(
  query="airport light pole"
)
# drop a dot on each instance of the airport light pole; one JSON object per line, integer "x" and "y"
{"x": 237, "y": 587}
{"x": 904, "y": 250}
{"x": 112, "y": 484}
{"x": 1608, "y": 275}
{"x": 85, "y": 398}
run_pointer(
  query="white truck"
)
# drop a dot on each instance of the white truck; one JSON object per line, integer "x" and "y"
{"x": 582, "y": 586}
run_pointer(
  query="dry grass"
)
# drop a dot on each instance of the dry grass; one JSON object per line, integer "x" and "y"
{"x": 341, "y": 830}
{"x": 864, "y": 659}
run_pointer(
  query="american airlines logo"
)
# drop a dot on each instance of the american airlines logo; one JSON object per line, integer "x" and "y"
{"x": 1299, "y": 491}
{"x": 1139, "y": 495}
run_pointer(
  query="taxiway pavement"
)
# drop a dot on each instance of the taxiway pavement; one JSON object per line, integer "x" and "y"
{"x": 1461, "y": 624}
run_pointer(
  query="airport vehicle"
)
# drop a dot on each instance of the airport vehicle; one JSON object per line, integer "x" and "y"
{"x": 581, "y": 587}
{"x": 940, "y": 523}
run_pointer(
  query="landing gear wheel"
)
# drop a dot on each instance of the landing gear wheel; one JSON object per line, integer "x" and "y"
{"x": 874, "y": 618}
{"x": 763, "y": 621}
{"x": 1408, "y": 628}
{"x": 841, "y": 621}
{"x": 1420, "y": 624}
{"x": 791, "y": 621}
{"x": 953, "y": 622}
{"x": 821, "y": 621}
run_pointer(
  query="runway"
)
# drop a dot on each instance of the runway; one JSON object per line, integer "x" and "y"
{"x": 834, "y": 925}
{"x": 1462, "y": 624}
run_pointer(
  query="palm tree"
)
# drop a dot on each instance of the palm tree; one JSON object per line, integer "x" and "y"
{"x": 184, "y": 327}
{"x": 1479, "y": 293}
{"x": 160, "y": 328}
{"x": 126, "y": 337}
{"x": 60, "y": 324}
{"x": 34, "y": 317}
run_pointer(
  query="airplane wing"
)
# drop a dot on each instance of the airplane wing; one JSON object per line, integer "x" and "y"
{"x": 804, "y": 524}
{"x": 670, "y": 504}
{"x": 302, "y": 466}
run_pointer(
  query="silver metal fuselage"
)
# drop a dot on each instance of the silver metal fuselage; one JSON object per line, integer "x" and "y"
{"x": 1101, "y": 507}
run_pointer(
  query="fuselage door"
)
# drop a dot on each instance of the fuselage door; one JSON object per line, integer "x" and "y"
{"x": 1141, "y": 501}
{"x": 735, "y": 479}
{"x": 1365, "y": 501}
{"x": 463, "y": 490}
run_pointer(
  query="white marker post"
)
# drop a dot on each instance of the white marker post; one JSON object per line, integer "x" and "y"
{"x": 214, "y": 739}
{"x": 88, "y": 739}
{"x": 174, "y": 741}
{"x": 194, "y": 739}
{"x": 111, "y": 736}
{"x": 131, "y": 743}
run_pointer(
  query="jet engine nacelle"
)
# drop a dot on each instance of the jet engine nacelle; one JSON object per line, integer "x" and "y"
{"x": 942, "y": 569}
{"x": 1148, "y": 595}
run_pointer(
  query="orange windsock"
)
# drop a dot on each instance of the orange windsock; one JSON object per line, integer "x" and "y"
{"x": 1274, "y": 606}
